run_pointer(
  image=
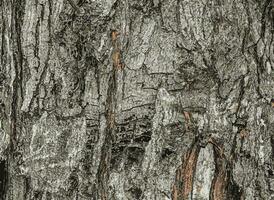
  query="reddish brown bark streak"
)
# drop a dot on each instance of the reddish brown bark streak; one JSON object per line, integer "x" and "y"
{"x": 187, "y": 116}
{"x": 220, "y": 180}
{"x": 116, "y": 55}
{"x": 185, "y": 174}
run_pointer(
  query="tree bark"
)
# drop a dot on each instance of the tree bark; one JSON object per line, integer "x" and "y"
{"x": 127, "y": 99}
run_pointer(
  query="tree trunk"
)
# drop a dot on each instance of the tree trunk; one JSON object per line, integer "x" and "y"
{"x": 137, "y": 99}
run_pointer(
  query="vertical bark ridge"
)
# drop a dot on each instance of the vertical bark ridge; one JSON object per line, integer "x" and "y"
{"x": 14, "y": 156}
{"x": 219, "y": 181}
{"x": 3, "y": 179}
{"x": 36, "y": 52}
{"x": 103, "y": 171}
{"x": 182, "y": 189}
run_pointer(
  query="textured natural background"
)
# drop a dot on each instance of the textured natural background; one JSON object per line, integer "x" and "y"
{"x": 136, "y": 99}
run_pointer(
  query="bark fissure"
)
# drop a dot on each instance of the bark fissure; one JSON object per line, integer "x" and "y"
{"x": 104, "y": 166}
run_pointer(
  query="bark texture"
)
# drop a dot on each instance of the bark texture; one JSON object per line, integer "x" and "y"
{"x": 136, "y": 99}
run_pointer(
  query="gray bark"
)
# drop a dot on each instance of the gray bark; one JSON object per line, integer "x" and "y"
{"x": 127, "y": 99}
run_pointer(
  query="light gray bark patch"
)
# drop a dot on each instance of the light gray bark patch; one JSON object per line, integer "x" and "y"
{"x": 204, "y": 173}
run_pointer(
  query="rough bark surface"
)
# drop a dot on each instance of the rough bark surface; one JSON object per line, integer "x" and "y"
{"x": 136, "y": 99}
